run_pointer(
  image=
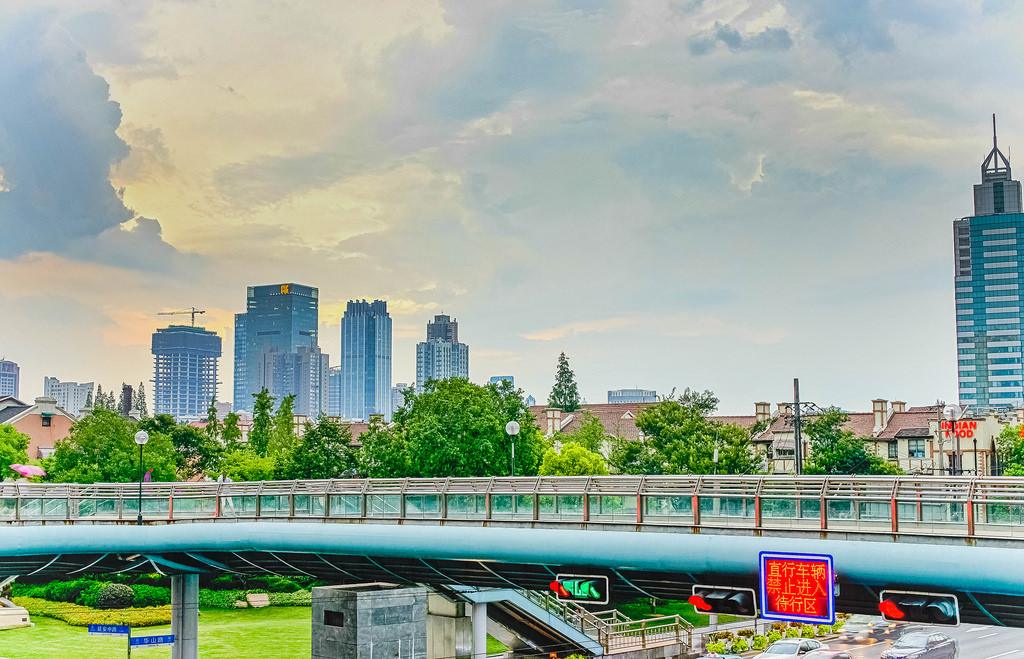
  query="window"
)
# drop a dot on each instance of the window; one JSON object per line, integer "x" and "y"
{"x": 915, "y": 448}
{"x": 46, "y": 421}
{"x": 893, "y": 450}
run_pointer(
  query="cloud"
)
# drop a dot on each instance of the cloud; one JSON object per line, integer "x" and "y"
{"x": 58, "y": 142}
{"x": 769, "y": 39}
{"x": 672, "y": 325}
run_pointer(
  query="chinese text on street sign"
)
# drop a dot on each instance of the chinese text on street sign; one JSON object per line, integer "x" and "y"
{"x": 109, "y": 630}
{"x": 152, "y": 640}
{"x": 797, "y": 587}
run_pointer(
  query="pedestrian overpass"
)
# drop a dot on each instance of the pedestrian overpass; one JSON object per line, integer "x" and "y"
{"x": 651, "y": 536}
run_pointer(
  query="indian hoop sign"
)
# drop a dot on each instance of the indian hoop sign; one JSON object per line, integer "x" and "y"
{"x": 797, "y": 587}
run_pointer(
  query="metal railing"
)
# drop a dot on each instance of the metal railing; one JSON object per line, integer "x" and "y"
{"x": 968, "y": 507}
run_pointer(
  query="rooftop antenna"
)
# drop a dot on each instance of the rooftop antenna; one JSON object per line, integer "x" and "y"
{"x": 994, "y": 146}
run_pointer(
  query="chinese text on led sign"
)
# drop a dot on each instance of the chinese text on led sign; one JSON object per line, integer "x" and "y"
{"x": 797, "y": 587}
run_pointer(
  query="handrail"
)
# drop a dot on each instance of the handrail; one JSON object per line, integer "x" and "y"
{"x": 961, "y": 507}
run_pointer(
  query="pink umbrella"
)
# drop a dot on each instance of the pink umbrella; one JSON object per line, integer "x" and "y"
{"x": 28, "y": 470}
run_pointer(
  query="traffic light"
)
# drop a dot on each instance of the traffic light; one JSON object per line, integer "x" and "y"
{"x": 580, "y": 588}
{"x": 724, "y": 599}
{"x": 923, "y": 608}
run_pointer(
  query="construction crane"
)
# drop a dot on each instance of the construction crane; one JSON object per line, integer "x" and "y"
{"x": 191, "y": 310}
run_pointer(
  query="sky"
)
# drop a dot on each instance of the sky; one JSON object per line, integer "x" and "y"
{"x": 714, "y": 194}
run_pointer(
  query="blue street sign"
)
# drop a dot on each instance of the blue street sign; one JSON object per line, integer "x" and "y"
{"x": 110, "y": 630}
{"x": 152, "y": 640}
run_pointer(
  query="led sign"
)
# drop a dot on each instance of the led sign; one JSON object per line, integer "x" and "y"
{"x": 797, "y": 587}
{"x": 580, "y": 588}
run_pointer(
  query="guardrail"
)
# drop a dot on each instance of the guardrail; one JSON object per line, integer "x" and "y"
{"x": 969, "y": 507}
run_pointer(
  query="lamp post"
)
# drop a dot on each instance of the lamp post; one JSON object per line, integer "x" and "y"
{"x": 512, "y": 428}
{"x": 141, "y": 438}
{"x": 953, "y": 412}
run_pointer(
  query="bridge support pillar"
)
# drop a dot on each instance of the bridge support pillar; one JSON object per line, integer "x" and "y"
{"x": 479, "y": 619}
{"x": 185, "y": 616}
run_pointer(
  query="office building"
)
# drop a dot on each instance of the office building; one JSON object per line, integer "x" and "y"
{"x": 989, "y": 267}
{"x": 441, "y": 356}
{"x": 366, "y": 360}
{"x": 397, "y": 397}
{"x": 184, "y": 371}
{"x": 305, "y": 374}
{"x": 334, "y": 386}
{"x": 632, "y": 396}
{"x": 10, "y": 375}
{"x": 70, "y": 396}
{"x": 278, "y": 320}
{"x": 495, "y": 379}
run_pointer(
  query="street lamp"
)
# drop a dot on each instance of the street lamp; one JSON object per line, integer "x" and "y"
{"x": 953, "y": 413}
{"x": 512, "y": 428}
{"x": 141, "y": 438}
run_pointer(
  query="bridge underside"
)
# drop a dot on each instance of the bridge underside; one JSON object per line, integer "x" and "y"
{"x": 976, "y": 608}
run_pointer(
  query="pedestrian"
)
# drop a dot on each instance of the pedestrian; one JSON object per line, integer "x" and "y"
{"x": 148, "y": 478}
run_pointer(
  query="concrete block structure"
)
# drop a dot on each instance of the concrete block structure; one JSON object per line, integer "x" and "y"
{"x": 365, "y": 621}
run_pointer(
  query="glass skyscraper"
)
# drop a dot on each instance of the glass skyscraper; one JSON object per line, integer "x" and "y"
{"x": 185, "y": 371}
{"x": 10, "y": 374}
{"x": 989, "y": 275}
{"x": 278, "y": 320}
{"x": 366, "y": 360}
{"x": 441, "y": 356}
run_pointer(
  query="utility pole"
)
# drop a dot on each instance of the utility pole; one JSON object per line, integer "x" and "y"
{"x": 798, "y": 449}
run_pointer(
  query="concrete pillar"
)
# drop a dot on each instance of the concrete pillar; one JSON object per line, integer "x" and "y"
{"x": 479, "y": 617}
{"x": 185, "y": 616}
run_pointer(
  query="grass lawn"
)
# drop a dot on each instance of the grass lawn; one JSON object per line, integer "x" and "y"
{"x": 222, "y": 635}
{"x": 641, "y": 608}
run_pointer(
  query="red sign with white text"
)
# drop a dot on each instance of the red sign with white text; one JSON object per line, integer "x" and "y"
{"x": 797, "y": 587}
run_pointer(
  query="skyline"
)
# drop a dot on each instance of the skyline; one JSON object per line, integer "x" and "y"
{"x": 716, "y": 195}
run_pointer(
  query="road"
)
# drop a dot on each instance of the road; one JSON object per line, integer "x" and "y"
{"x": 976, "y": 642}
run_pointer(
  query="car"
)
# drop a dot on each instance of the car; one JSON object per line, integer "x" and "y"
{"x": 827, "y": 654}
{"x": 714, "y": 655}
{"x": 791, "y": 647}
{"x": 862, "y": 628}
{"x": 923, "y": 645}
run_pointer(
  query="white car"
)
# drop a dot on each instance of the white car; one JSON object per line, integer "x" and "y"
{"x": 791, "y": 647}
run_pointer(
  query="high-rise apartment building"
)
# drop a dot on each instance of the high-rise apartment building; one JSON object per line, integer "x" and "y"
{"x": 441, "y": 356}
{"x": 632, "y": 396}
{"x": 989, "y": 262}
{"x": 280, "y": 319}
{"x": 70, "y": 396}
{"x": 397, "y": 397}
{"x": 10, "y": 375}
{"x": 184, "y": 371}
{"x": 366, "y": 360}
{"x": 334, "y": 387}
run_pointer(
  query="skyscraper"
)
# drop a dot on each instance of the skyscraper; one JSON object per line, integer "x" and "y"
{"x": 441, "y": 356}
{"x": 278, "y": 320}
{"x": 989, "y": 270}
{"x": 70, "y": 396}
{"x": 334, "y": 386}
{"x": 10, "y": 374}
{"x": 366, "y": 360}
{"x": 184, "y": 371}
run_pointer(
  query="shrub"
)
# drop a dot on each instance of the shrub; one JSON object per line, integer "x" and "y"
{"x": 66, "y": 591}
{"x": 773, "y": 636}
{"x": 721, "y": 636}
{"x": 219, "y": 599}
{"x": 227, "y": 582}
{"x": 739, "y": 645}
{"x": 760, "y": 642}
{"x": 780, "y": 627}
{"x": 792, "y": 632}
{"x": 28, "y": 590}
{"x": 298, "y": 598}
{"x": 839, "y": 625}
{"x": 824, "y": 629}
{"x": 80, "y": 616}
{"x": 90, "y": 594}
{"x": 746, "y": 633}
{"x": 807, "y": 631}
{"x": 273, "y": 584}
{"x": 115, "y": 596}
{"x": 716, "y": 646}
{"x": 151, "y": 595}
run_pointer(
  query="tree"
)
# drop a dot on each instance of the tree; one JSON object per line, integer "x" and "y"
{"x": 678, "y": 437}
{"x": 564, "y": 394}
{"x": 324, "y": 451}
{"x": 385, "y": 451}
{"x": 88, "y": 399}
{"x": 101, "y": 448}
{"x": 231, "y": 434}
{"x": 213, "y": 424}
{"x": 282, "y": 435}
{"x": 196, "y": 452}
{"x": 13, "y": 449}
{"x": 139, "y": 404}
{"x": 591, "y": 434}
{"x": 1010, "y": 444}
{"x": 572, "y": 460}
{"x": 101, "y": 399}
{"x": 245, "y": 465}
{"x": 836, "y": 450}
{"x": 259, "y": 436}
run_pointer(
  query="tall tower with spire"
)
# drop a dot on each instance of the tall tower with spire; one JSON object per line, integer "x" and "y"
{"x": 989, "y": 267}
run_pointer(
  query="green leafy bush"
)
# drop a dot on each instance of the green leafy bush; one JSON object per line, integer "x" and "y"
{"x": 760, "y": 642}
{"x": 793, "y": 632}
{"x": 746, "y": 633}
{"x": 115, "y": 596}
{"x": 151, "y": 595}
{"x": 66, "y": 591}
{"x": 298, "y": 598}
{"x": 721, "y": 636}
{"x": 773, "y": 636}
{"x": 824, "y": 630}
{"x": 28, "y": 590}
{"x": 80, "y": 616}
{"x": 717, "y": 646}
{"x": 808, "y": 631}
{"x": 739, "y": 645}
{"x": 780, "y": 627}
{"x": 89, "y": 596}
{"x": 219, "y": 599}
{"x": 272, "y": 584}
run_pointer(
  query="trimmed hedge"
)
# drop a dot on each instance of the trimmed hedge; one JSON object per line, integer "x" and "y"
{"x": 81, "y": 616}
{"x": 219, "y": 599}
{"x": 300, "y": 598}
{"x": 115, "y": 596}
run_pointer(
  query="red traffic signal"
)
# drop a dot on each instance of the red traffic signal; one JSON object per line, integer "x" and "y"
{"x": 724, "y": 599}
{"x": 923, "y": 608}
